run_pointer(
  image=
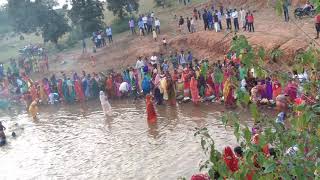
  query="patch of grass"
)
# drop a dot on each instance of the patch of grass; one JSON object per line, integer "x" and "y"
{"x": 10, "y": 42}
{"x": 120, "y": 25}
{"x": 10, "y": 45}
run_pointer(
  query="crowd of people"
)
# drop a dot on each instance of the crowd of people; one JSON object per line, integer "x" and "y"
{"x": 161, "y": 78}
{"x": 99, "y": 38}
{"x": 27, "y": 65}
{"x": 176, "y": 76}
{"x": 212, "y": 19}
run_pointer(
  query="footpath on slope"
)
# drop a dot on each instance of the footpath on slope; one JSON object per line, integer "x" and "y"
{"x": 271, "y": 33}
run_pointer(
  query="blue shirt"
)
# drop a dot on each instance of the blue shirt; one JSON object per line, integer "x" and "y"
{"x": 281, "y": 118}
{"x": 165, "y": 67}
{"x": 141, "y": 24}
{"x": 189, "y": 59}
{"x": 210, "y": 18}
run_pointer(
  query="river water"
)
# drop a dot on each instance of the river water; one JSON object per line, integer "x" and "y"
{"x": 78, "y": 142}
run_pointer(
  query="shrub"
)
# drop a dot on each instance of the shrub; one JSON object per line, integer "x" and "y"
{"x": 120, "y": 25}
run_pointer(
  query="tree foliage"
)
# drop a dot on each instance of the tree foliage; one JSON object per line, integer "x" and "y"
{"x": 304, "y": 131}
{"x": 4, "y": 19}
{"x": 37, "y": 16}
{"x": 88, "y": 14}
{"x": 278, "y": 5}
{"x": 55, "y": 27}
{"x": 163, "y": 3}
{"x": 121, "y": 8}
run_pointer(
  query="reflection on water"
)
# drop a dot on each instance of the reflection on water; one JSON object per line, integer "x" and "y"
{"x": 79, "y": 142}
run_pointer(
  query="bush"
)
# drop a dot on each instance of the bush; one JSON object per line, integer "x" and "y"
{"x": 120, "y": 25}
{"x": 74, "y": 37}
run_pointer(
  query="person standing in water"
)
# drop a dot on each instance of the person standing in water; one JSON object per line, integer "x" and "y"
{"x": 151, "y": 112}
{"x": 106, "y": 107}
{"x": 33, "y": 109}
{"x": 2, "y": 128}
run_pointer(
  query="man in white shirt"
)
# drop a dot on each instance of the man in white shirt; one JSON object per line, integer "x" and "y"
{"x": 235, "y": 20}
{"x": 193, "y": 25}
{"x": 109, "y": 34}
{"x": 243, "y": 17}
{"x": 140, "y": 65}
{"x": 153, "y": 60}
{"x": 99, "y": 37}
{"x": 145, "y": 21}
{"x": 157, "y": 25}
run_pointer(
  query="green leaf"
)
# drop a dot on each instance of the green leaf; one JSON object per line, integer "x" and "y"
{"x": 237, "y": 130}
{"x": 247, "y": 135}
{"x": 254, "y": 111}
{"x": 269, "y": 166}
{"x": 261, "y": 53}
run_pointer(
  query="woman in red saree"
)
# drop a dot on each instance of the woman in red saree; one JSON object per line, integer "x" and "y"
{"x": 151, "y": 113}
{"x": 194, "y": 90}
{"x": 186, "y": 82}
{"x": 230, "y": 159}
{"x": 109, "y": 86}
{"x": 292, "y": 90}
{"x": 79, "y": 91}
{"x": 228, "y": 93}
{"x": 276, "y": 89}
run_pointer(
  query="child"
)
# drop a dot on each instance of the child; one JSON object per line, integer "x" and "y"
{"x": 164, "y": 42}
{"x": 93, "y": 61}
{"x": 154, "y": 34}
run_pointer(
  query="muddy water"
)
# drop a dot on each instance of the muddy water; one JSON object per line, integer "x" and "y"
{"x": 74, "y": 142}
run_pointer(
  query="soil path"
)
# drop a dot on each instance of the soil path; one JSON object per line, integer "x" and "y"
{"x": 271, "y": 33}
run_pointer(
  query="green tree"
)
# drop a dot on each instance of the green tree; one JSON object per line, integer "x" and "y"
{"x": 55, "y": 27}
{"x": 163, "y": 3}
{"x": 4, "y": 19}
{"x": 37, "y": 16}
{"x": 303, "y": 133}
{"x": 88, "y": 14}
{"x": 121, "y": 8}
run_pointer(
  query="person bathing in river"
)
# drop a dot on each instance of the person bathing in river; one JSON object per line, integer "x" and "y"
{"x": 151, "y": 113}
{"x": 106, "y": 107}
{"x": 33, "y": 109}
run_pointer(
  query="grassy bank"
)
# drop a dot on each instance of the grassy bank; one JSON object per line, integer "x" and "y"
{"x": 10, "y": 44}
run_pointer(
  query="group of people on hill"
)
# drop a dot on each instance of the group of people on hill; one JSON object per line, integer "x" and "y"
{"x": 99, "y": 37}
{"x": 184, "y": 2}
{"x": 212, "y": 19}
{"x": 146, "y": 24}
